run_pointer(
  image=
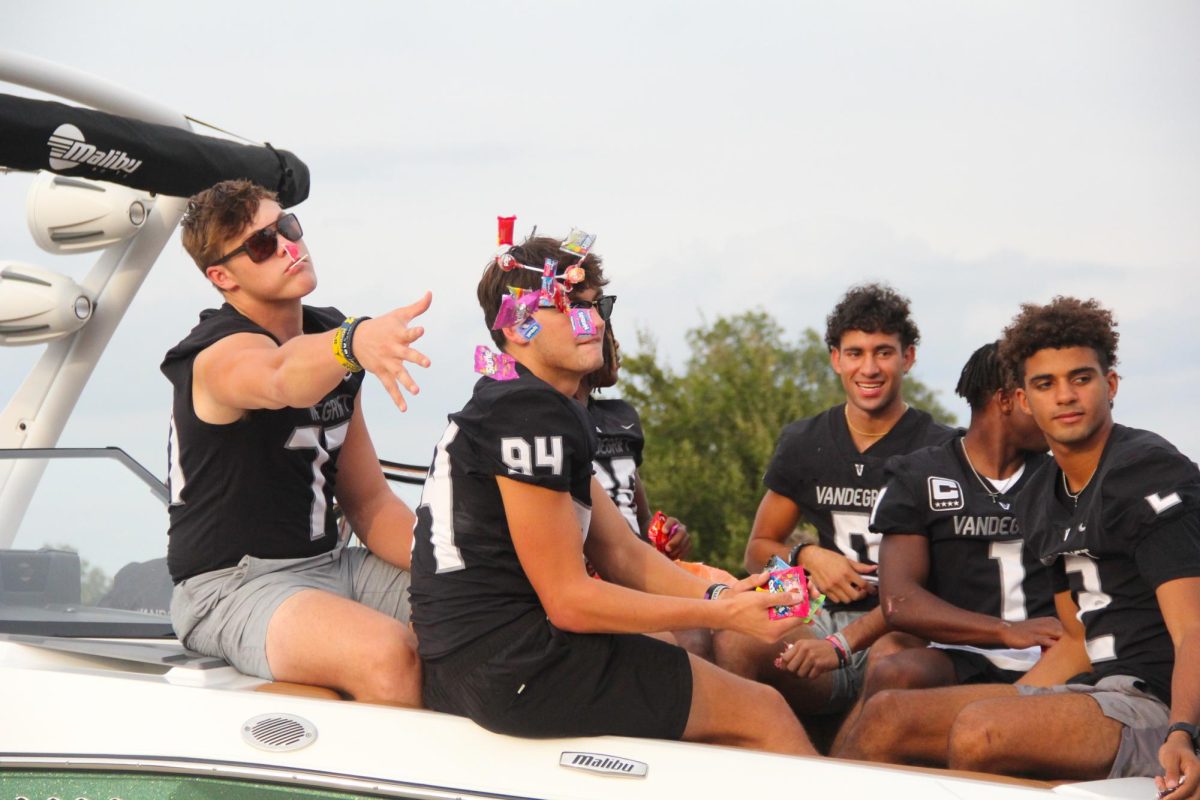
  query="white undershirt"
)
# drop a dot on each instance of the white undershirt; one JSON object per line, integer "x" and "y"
{"x": 1002, "y": 486}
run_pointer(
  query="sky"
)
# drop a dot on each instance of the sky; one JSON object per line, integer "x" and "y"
{"x": 764, "y": 155}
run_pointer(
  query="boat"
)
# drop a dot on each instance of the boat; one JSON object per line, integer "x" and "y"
{"x": 97, "y": 697}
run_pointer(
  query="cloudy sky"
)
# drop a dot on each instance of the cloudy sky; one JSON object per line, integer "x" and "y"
{"x": 763, "y": 154}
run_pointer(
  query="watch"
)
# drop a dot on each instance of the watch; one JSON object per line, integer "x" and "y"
{"x": 1188, "y": 728}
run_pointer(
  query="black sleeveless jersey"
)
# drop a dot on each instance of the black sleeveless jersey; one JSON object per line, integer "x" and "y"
{"x": 1135, "y": 526}
{"x": 817, "y": 467}
{"x": 618, "y": 453}
{"x": 262, "y": 486}
{"x": 466, "y": 577}
{"x": 977, "y": 558}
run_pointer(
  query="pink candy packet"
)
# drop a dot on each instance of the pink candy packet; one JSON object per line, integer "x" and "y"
{"x": 497, "y": 366}
{"x": 794, "y": 580}
{"x": 515, "y": 310}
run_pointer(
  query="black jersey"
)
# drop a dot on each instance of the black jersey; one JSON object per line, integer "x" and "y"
{"x": 466, "y": 577}
{"x": 977, "y": 558}
{"x": 817, "y": 467}
{"x": 261, "y": 486}
{"x": 618, "y": 453}
{"x": 1135, "y": 526}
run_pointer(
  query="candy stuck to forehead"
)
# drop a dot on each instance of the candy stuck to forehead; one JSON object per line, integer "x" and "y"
{"x": 515, "y": 310}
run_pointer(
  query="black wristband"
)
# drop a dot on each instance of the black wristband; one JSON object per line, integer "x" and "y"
{"x": 348, "y": 340}
{"x": 714, "y": 591}
{"x": 1188, "y": 728}
{"x": 794, "y": 555}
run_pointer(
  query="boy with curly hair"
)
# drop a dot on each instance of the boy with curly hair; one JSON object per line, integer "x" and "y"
{"x": 1117, "y": 515}
{"x": 828, "y": 470}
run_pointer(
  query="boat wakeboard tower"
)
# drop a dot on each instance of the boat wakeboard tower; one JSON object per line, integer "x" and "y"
{"x": 111, "y": 179}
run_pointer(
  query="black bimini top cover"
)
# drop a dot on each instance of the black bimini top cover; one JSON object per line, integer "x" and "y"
{"x": 82, "y": 143}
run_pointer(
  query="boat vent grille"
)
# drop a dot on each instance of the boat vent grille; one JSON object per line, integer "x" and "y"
{"x": 278, "y": 733}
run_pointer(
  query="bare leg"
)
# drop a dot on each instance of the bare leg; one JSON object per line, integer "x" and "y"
{"x": 320, "y": 638}
{"x": 897, "y": 663}
{"x": 912, "y": 726}
{"x": 735, "y": 711}
{"x": 1009, "y": 735}
{"x": 754, "y": 660}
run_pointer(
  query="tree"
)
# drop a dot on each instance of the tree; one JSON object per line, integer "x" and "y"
{"x": 712, "y": 428}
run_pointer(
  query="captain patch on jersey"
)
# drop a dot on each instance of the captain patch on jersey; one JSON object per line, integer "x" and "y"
{"x": 977, "y": 558}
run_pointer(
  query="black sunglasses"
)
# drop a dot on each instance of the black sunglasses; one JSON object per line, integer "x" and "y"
{"x": 603, "y": 305}
{"x": 263, "y": 243}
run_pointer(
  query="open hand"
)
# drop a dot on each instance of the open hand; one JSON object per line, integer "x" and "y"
{"x": 381, "y": 345}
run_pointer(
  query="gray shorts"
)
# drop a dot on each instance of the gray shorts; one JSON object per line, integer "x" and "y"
{"x": 1144, "y": 716}
{"x": 848, "y": 680}
{"x": 225, "y": 612}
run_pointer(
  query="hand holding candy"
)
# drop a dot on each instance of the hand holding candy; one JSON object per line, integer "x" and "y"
{"x": 791, "y": 579}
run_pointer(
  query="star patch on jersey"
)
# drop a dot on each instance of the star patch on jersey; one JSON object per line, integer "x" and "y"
{"x": 945, "y": 494}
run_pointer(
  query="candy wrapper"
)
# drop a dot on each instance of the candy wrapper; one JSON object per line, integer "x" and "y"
{"x": 581, "y": 322}
{"x": 657, "y": 531}
{"x": 504, "y": 230}
{"x": 578, "y": 242}
{"x": 548, "y": 282}
{"x": 497, "y": 366}
{"x": 791, "y": 579}
{"x": 514, "y": 309}
{"x": 529, "y": 329}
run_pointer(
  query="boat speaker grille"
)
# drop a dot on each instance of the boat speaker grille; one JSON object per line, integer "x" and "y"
{"x": 278, "y": 733}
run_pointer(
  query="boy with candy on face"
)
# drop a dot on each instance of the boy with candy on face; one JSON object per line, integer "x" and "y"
{"x": 513, "y": 632}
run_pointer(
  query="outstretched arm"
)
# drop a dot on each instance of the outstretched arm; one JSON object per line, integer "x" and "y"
{"x": 909, "y": 606}
{"x": 549, "y": 544}
{"x": 249, "y": 371}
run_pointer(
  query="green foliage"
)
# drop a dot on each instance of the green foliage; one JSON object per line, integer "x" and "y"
{"x": 712, "y": 428}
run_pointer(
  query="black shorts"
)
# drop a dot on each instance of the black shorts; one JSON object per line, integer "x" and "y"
{"x": 531, "y": 679}
{"x": 975, "y": 668}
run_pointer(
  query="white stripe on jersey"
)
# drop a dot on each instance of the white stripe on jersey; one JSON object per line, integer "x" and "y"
{"x": 438, "y": 496}
{"x": 175, "y": 477}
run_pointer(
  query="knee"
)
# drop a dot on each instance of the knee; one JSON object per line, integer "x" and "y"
{"x": 731, "y": 652}
{"x": 891, "y": 673}
{"x": 892, "y": 643}
{"x": 877, "y": 729}
{"x": 393, "y": 674}
{"x": 973, "y": 741}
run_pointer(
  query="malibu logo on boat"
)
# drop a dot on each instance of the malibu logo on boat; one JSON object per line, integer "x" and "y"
{"x": 599, "y": 762}
{"x": 69, "y": 149}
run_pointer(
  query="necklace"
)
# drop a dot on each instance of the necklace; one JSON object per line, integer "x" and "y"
{"x": 1074, "y": 496}
{"x": 864, "y": 434}
{"x": 991, "y": 490}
